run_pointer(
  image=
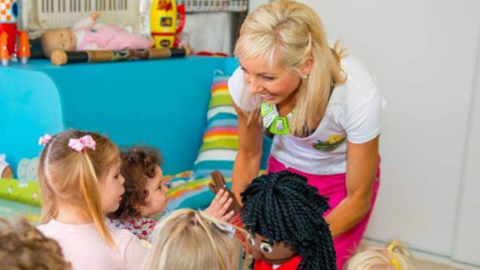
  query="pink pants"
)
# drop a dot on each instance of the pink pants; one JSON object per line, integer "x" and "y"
{"x": 333, "y": 187}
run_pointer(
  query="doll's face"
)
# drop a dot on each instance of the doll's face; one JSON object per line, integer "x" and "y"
{"x": 62, "y": 39}
{"x": 278, "y": 253}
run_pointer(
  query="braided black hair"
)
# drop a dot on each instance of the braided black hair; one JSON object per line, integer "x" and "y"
{"x": 284, "y": 208}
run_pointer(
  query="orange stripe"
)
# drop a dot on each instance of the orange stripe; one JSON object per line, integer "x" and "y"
{"x": 222, "y": 132}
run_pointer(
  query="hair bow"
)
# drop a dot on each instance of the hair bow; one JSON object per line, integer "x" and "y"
{"x": 82, "y": 143}
{"x": 44, "y": 140}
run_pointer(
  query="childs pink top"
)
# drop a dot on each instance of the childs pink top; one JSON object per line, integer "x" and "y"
{"x": 84, "y": 247}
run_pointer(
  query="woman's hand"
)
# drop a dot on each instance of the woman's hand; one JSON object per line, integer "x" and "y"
{"x": 219, "y": 206}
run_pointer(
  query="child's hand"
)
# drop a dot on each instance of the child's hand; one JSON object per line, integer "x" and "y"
{"x": 219, "y": 206}
{"x": 95, "y": 15}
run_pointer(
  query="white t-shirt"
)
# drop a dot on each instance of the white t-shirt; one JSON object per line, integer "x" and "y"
{"x": 354, "y": 113}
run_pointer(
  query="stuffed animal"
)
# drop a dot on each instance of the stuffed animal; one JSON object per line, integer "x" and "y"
{"x": 5, "y": 169}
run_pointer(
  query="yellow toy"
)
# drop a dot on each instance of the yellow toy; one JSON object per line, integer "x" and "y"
{"x": 166, "y": 20}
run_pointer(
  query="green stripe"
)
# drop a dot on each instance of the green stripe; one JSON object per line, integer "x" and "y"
{"x": 230, "y": 144}
{"x": 220, "y": 101}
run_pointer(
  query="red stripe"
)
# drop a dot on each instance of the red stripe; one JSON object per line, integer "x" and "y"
{"x": 162, "y": 34}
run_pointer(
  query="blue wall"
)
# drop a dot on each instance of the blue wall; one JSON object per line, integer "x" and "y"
{"x": 159, "y": 102}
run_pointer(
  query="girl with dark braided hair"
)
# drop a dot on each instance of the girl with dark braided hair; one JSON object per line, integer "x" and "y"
{"x": 284, "y": 216}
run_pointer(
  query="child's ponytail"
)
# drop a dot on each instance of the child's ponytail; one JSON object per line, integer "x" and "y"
{"x": 71, "y": 166}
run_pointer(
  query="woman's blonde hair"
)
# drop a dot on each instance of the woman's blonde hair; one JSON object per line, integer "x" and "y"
{"x": 289, "y": 34}
{"x": 71, "y": 178}
{"x": 189, "y": 240}
{"x": 392, "y": 257}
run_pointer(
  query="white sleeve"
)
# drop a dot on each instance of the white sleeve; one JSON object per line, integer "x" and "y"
{"x": 364, "y": 123}
{"x": 238, "y": 89}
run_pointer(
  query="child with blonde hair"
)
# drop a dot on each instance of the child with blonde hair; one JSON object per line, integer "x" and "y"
{"x": 23, "y": 247}
{"x": 390, "y": 258}
{"x": 80, "y": 180}
{"x": 190, "y": 240}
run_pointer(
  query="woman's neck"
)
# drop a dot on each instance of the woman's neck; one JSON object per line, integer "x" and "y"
{"x": 71, "y": 215}
{"x": 288, "y": 104}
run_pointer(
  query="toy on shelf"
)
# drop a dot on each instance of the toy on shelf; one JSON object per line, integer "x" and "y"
{"x": 8, "y": 22}
{"x": 4, "y": 54}
{"x": 60, "y": 57}
{"x": 9, "y": 48}
{"x": 88, "y": 34}
{"x": 6, "y": 171}
{"x": 24, "y": 48}
{"x": 166, "y": 21}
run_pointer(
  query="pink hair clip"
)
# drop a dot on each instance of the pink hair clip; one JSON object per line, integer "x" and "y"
{"x": 44, "y": 140}
{"x": 193, "y": 219}
{"x": 82, "y": 143}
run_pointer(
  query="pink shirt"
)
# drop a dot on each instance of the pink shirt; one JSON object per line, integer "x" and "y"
{"x": 91, "y": 35}
{"x": 84, "y": 247}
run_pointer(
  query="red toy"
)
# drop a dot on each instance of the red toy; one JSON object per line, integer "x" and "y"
{"x": 8, "y": 22}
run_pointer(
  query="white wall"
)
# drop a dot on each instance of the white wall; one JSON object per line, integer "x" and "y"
{"x": 253, "y": 4}
{"x": 424, "y": 55}
{"x": 467, "y": 242}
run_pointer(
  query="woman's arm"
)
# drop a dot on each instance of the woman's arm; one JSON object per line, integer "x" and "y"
{"x": 362, "y": 165}
{"x": 247, "y": 163}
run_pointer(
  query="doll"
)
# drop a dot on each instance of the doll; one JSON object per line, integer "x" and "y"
{"x": 87, "y": 34}
{"x": 284, "y": 218}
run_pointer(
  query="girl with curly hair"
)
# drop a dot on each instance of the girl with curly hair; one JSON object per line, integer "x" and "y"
{"x": 145, "y": 194}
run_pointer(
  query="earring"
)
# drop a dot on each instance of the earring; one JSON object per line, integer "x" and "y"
{"x": 304, "y": 76}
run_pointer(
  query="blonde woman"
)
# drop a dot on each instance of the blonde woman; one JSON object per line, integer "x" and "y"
{"x": 190, "y": 240}
{"x": 392, "y": 257}
{"x": 322, "y": 106}
{"x": 80, "y": 181}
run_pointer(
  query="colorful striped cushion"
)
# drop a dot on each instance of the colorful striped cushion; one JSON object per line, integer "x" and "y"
{"x": 220, "y": 140}
{"x": 218, "y": 152}
{"x": 185, "y": 192}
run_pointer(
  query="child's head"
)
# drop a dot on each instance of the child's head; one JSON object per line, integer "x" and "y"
{"x": 80, "y": 171}
{"x": 24, "y": 247}
{"x": 58, "y": 39}
{"x": 145, "y": 191}
{"x": 284, "y": 216}
{"x": 390, "y": 258}
{"x": 189, "y": 240}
